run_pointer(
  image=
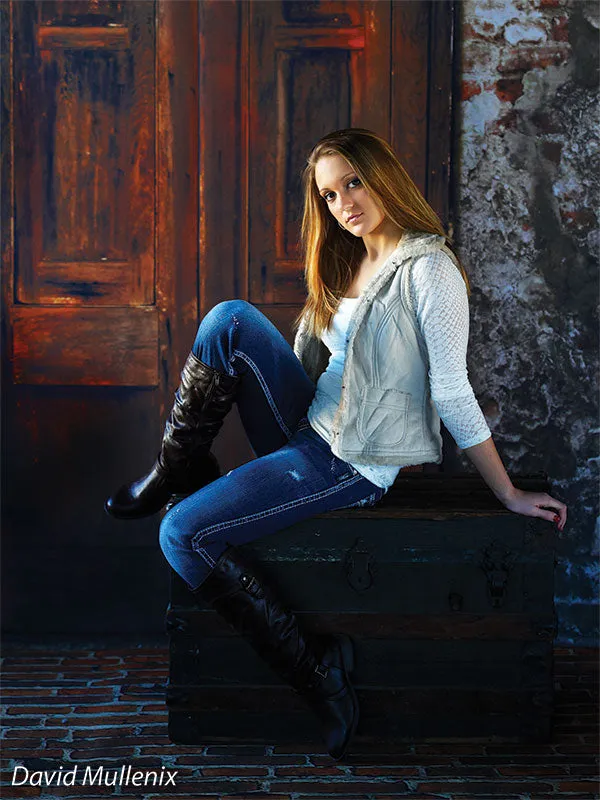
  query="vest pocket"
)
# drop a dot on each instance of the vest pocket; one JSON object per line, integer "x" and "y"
{"x": 382, "y": 416}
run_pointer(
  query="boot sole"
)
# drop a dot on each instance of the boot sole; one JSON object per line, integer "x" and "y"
{"x": 131, "y": 515}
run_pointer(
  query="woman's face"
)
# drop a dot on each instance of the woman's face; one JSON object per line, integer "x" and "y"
{"x": 345, "y": 196}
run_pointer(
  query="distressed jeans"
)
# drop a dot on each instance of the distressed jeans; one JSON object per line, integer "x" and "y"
{"x": 294, "y": 475}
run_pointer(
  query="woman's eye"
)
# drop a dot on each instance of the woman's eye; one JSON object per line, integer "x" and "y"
{"x": 326, "y": 195}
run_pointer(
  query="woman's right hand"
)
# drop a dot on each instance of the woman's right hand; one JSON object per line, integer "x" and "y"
{"x": 531, "y": 505}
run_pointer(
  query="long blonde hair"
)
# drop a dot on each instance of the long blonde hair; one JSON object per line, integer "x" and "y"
{"x": 331, "y": 255}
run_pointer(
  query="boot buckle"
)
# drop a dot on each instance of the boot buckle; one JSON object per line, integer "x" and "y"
{"x": 321, "y": 671}
{"x": 251, "y": 585}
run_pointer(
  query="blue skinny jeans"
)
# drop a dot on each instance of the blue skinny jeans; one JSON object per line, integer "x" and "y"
{"x": 294, "y": 475}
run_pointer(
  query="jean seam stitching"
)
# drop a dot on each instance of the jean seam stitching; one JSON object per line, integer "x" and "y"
{"x": 266, "y": 390}
{"x": 269, "y": 512}
{"x": 205, "y": 555}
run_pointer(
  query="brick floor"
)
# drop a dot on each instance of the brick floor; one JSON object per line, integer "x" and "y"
{"x": 67, "y": 706}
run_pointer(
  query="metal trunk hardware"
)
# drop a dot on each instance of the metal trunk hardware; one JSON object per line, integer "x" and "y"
{"x": 496, "y": 562}
{"x": 360, "y": 567}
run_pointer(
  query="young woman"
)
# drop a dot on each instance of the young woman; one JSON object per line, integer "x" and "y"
{"x": 379, "y": 357}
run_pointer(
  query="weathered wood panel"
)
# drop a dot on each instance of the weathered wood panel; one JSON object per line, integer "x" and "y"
{"x": 92, "y": 348}
{"x": 84, "y": 156}
{"x": 306, "y": 81}
{"x": 61, "y": 346}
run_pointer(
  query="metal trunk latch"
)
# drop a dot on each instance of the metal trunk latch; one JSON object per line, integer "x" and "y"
{"x": 496, "y": 561}
{"x": 360, "y": 566}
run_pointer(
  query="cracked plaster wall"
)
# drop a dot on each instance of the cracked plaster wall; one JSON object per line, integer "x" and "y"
{"x": 527, "y": 228}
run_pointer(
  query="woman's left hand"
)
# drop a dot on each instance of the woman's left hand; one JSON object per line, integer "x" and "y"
{"x": 531, "y": 505}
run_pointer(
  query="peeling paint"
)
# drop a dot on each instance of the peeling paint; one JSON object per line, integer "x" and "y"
{"x": 516, "y": 33}
{"x": 527, "y": 229}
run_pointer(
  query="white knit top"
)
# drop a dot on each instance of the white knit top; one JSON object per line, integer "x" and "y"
{"x": 440, "y": 300}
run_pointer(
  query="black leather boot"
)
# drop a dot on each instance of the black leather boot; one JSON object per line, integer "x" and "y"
{"x": 316, "y": 667}
{"x": 184, "y": 463}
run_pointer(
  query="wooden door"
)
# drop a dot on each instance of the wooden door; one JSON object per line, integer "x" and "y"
{"x": 276, "y": 76}
{"x": 151, "y": 159}
{"x": 100, "y": 279}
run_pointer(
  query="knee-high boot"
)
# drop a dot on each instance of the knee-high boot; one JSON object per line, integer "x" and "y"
{"x": 184, "y": 463}
{"x": 316, "y": 667}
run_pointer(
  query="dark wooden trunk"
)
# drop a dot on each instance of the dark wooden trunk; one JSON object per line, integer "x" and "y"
{"x": 447, "y": 595}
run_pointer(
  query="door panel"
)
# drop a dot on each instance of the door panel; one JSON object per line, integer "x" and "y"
{"x": 100, "y": 298}
{"x": 311, "y": 71}
{"x": 85, "y": 193}
{"x": 275, "y": 77}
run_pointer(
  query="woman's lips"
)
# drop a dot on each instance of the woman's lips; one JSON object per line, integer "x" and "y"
{"x": 354, "y": 218}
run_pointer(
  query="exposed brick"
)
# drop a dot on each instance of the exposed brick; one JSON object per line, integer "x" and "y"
{"x": 89, "y": 754}
{"x": 532, "y": 57}
{"x": 469, "y": 89}
{"x": 545, "y": 122}
{"x": 586, "y": 787}
{"x": 560, "y": 29}
{"x": 303, "y": 772}
{"x": 344, "y": 788}
{"x": 88, "y": 738}
{"x": 382, "y": 771}
{"x": 234, "y": 772}
{"x": 154, "y": 707}
{"x": 237, "y": 760}
{"x": 152, "y": 729}
{"x": 174, "y": 749}
{"x": 31, "y": 660}
{"x": 509, "y": 89}
{"x": 460, "y": 770}
{"x": 93, "y": 709}
{"x": 580, "y": 218}
{"x": 559, "y": 769}
{"x": 459, "y": 748}
{"x": 201, "y": 788}
{"x": 468, "y": 31}
{"x": 228, "y": 796}
{"x": 27, "y": 709}
{"x": 15, "y": 671}
{"x": 12, "y": 754}
{"x": 138, "y": 654}
{"x": 83, "y": 721}
{"x": 26, "y": 734}
{"x": 78, "y": 790}
{"x": 552, "y": 151}
{"x": 25, "y": 743}
{"x": 83, "y": 739}
{"x": 351, "y": 794}
{"x": 478, "y": 788}
{"x": 98, "y": 683}
{"x": 506, "y": 121}
{"x": 417, "y": 769}
{"x": 20, "y": 791}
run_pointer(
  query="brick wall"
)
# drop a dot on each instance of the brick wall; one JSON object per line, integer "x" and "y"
{"x": 527, "y": 226}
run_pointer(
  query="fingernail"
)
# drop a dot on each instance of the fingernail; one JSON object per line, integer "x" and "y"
{"x": 556, "y": 518}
